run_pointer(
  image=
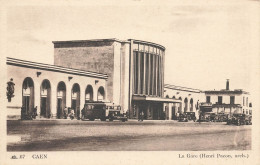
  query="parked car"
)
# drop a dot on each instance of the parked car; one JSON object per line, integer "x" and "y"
{"x": 183, "y": 117}
{"x": 190, "y": 116}
{"x": 221, "y": 117}
{"x": 207, "y": 117}
{"x": 94, "y": 110}
{"x": 240, "y": 119}
{"x": 115, "y": 114}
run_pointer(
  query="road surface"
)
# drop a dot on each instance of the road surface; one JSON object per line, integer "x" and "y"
{"x": 67, "y": 135}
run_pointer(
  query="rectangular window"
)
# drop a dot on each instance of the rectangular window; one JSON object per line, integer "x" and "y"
{"x": 219, "y": 99}
{"x": 208, "y": 99}
{"x": 135, "y": 72}
{"x": 243, "y": 101}
{"x": 147, "y": 71}
{"x": 141, "y": 72}
{"x": 232, "y": 99}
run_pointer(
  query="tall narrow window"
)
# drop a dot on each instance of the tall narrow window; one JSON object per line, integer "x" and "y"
{"x": 232, "y": 99}
{"x": 208, "y": 99}
{"x": 219, "y": 99}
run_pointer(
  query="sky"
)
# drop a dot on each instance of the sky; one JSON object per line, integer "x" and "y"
{"x": 206, "y": 41}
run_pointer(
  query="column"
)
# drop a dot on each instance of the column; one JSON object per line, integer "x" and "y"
{"x": 148, "y": 72}
{"x": 53, "y": 102}
{"x": 144, "y": 74}
{"x": 139, "y": 72}
{"x": 131, "y": 79}
{"x": 152, "y": 72}
{"x": 162, "y": 67}
{"x": 170, "y": 111}
{"x": 159, "y": 77}
{"x": 156, "y": 75}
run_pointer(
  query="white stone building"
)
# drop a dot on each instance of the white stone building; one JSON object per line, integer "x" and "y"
{"x": 51, "y": 88}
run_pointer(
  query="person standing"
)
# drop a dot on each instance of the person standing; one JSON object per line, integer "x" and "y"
{"x": 22, "y": 113}
{"x": 65, "y": 112}
{"x": 82, "y": 113}
{"x": 35, "y": 112}
{"x": 142, "y": 115}
{"x": 78, "y": 113}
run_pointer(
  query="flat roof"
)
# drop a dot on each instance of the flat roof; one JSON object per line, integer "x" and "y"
{"x": 147, "y": 43}
{"x": 174, "y": 87}
{"x": 109, "y": 40}
{"x": 227, "y": 92}
{"x": 54, "y": 68}
{"x": 91, "y": 40}
{"x": 155, "y": 99}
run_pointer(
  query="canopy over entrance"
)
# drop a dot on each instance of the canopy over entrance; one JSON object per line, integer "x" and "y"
{"x": 155, "y": 99}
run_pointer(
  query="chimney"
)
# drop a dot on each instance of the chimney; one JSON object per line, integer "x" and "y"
{"x": 227, "y": 85}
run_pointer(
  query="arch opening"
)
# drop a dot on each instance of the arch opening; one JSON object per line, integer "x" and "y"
{"x": 61, "y": 99}
{"x": 45, "y": 99}
{"x": 185, "y": 104}
{"x": 89, "y": 94}
{"x": 75, "y": 99}
{"x": 28, "y": 95}
{"x": 191, "y": 105}
{"x": 101, "y": 94}
{"x": 180, "y": 106}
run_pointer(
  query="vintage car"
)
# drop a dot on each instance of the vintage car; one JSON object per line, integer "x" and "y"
{"x": 207, "y": 117}
{"x": 183, "y": 118}
{"x": 221, "y": 117}
{"x": 94, "y": 111}
{"x": 114, "y": 113}
{"x": 240, "y": 119}
{"x": 190, "y": 116}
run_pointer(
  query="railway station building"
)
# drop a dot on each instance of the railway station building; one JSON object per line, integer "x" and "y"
{"x": 135, "y": 71}
{"x": 50, "y": 88}
{"x": 189, "y": 100}
{"x": 127, "y": 73}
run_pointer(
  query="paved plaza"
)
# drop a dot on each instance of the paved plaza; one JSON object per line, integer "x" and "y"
{"x": 149, "y": 135}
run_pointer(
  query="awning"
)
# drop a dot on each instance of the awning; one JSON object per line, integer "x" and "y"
{"x": 154, "y": 99}
{"x": 226, "y": 106}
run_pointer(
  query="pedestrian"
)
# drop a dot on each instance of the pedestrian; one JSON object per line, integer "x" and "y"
{"x": 22, "y": 113}
{"x": 82, "y": 112}
{"x": 35, "y": 112}
{"x": 71, "y": 114}
{"x": 78, "y": 113}
{"x": 142, "y": 116}
{"x": 177, "y": 115}
{"x": 139, "y": 116}
{"x": 65, "y": 112}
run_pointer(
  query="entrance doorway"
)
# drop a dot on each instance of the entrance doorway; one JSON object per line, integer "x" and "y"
{"x": 173, "y": 112}
{"x": 45, "y": 99}
{"x": 28, "y": 95}
{"x": 61, "y": 99}
{"x": 75, "y": 98}
{"x": 185, "y": 105}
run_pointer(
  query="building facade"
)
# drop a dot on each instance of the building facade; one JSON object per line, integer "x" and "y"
{"x": 135, "y": 71}
{"x": 189, "y": 100}
{"x": 227, "y": 101}
{"x": 51, "y": 88}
